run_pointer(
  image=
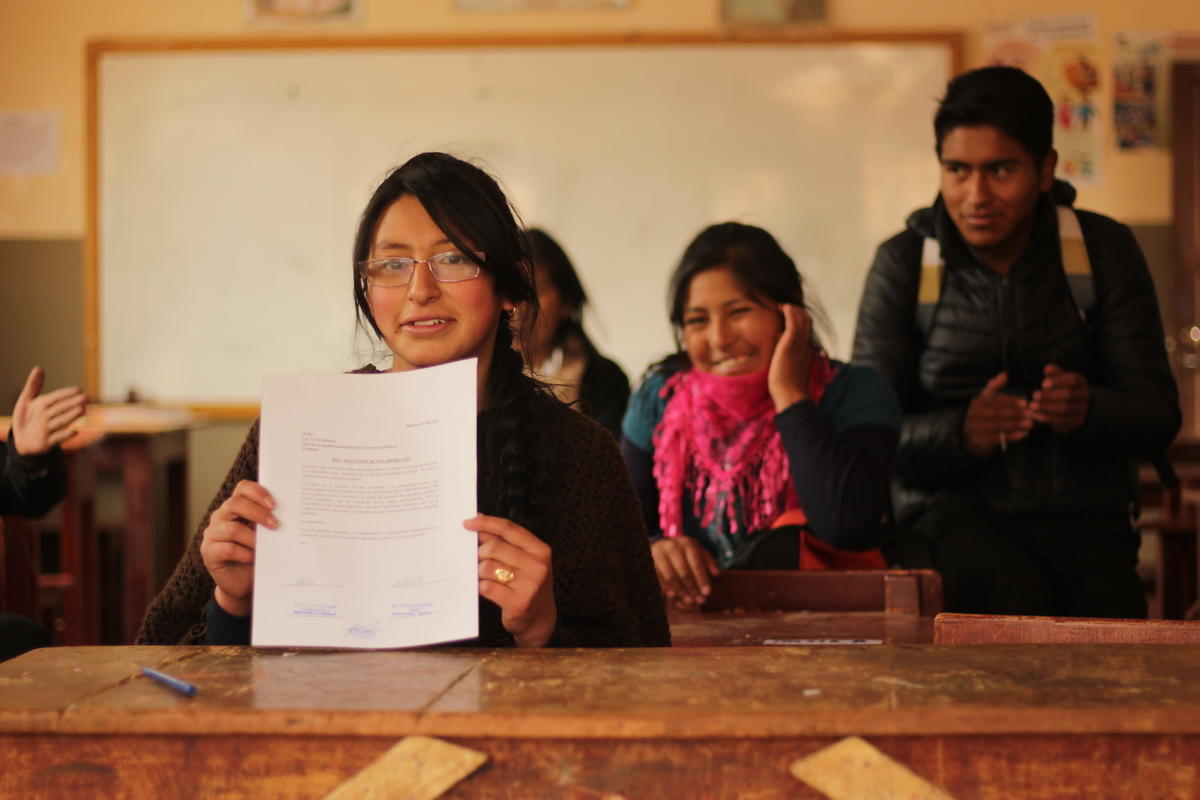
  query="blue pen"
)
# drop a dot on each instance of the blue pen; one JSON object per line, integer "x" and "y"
{"x": 166, "y": 680}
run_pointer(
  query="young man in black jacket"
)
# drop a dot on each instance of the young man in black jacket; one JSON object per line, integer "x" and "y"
{"x": 33, "y": 478}
{"x": 1024, "y": 341}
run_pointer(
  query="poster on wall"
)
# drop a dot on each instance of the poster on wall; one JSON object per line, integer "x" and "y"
{"x": 536, "y": 5}
{"x": 773, "y": 12}
{"x": 30, "y": 142}
{"x": 285, "y": 12}
{"x": 1061, "y": 51}
{"x": 1141, "y": 85}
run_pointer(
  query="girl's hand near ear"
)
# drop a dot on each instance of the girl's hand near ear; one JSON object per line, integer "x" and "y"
{"x": 787, "y": 376}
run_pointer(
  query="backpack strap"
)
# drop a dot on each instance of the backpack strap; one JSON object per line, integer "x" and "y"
{"x": 930, "y": 289}
{"x": 1075, "y": 261}
{"x": 1076, "y": 265}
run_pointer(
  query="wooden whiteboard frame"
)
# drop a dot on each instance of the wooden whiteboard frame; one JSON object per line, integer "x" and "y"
{"x": 96, "y": 50}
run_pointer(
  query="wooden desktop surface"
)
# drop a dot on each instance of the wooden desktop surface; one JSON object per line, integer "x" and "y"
{"x": 988, "y": 721}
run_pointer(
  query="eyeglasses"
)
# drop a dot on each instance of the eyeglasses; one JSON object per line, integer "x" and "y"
{"x": 449, "y": 267}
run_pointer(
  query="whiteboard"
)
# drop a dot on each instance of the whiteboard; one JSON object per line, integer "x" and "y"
{"x": 229, "y": 182}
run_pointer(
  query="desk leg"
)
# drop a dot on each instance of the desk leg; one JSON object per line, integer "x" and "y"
{"x": 177, "y": 533}
{"x": 1177, "y": 571}
{"x": 18, "y": 552}
{"x": 138, "y": 552}
{"x": 79, "y": 552}
{"x": 149, "y": 554}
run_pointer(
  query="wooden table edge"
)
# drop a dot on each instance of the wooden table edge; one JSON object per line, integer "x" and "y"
{"x": 540, "y": 725}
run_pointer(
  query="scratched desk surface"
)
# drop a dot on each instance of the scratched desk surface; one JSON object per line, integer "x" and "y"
{"x": 690, "y": 692}
{"x": 1028, "y": 721}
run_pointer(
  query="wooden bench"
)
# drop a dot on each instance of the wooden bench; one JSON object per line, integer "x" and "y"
{"x": 760, "y": 607}
{"x": 915, "y": 592}
{"x": 998, "y": 629}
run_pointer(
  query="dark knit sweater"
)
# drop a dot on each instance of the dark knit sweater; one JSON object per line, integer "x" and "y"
{"x": 605, "y": 587}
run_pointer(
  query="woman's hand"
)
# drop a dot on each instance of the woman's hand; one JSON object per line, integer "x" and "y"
{"x": 515, "y": 574}
{"x": 787, "y": 376}
{"x": 41, "y": 423}
{"x": 228, "y": 545}
{"x": 685, "y": 570}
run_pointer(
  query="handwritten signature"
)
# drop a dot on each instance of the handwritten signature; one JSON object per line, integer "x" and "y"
{"x": 363, "y": 631}
{"x": 414, "y": 580}
{"x": 306, "y": 580}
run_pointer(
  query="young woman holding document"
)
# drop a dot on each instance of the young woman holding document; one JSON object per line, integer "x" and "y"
{"x": 439, "y": 266}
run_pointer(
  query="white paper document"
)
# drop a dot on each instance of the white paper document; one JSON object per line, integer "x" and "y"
{"x": 373, "y": 476}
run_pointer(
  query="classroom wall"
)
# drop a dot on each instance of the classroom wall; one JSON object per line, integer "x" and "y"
{"x": 40, "y": 298}
{"x": 42, "y": 67}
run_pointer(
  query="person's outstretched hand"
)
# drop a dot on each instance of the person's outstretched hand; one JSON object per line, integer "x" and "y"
{"x": 40, "y": 423}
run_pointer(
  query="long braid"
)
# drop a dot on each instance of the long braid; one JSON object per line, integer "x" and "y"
{"x": 515, "y": 438}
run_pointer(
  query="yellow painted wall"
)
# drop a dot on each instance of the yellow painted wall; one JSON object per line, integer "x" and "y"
{"x": 42, "y": 67}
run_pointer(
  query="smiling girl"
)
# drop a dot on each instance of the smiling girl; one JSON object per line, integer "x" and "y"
{"x": 439, "y": 265}
{"x": 751, "y": 426}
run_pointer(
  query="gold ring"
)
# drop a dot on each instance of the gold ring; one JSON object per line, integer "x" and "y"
{"x": 504, "y": 575}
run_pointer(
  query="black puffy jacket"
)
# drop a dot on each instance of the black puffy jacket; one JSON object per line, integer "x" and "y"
{"x": 986, "y": 323}
{"x": 30, "y": 486}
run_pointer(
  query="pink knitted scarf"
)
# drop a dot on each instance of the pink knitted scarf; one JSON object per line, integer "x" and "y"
{"x": 717, "y": 442}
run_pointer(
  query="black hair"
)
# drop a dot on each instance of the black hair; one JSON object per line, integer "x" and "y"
{"x": 550, "y": 255}
{"x": 759, "y": 264}
{"x": 1005, "y": 97}
{"x": 468, "y": 206}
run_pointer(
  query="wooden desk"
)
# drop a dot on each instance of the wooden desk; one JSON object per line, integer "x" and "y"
{"x": 1041, "y": 721}
{"x": 148, "y": 447}
{"x": 1171, "y": 515}
{"x": 75, "y": 620}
